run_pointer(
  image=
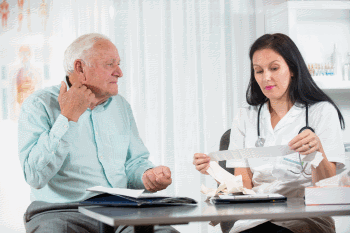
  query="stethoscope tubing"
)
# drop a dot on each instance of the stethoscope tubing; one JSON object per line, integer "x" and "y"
{"x": 260, "y": 141}
{"x": 301, "y": 130}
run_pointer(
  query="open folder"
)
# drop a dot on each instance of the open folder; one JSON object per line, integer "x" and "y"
{"x": 132, "y": 197}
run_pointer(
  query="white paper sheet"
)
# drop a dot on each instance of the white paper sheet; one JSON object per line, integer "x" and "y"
{"x": 258, "y": 152}
{"x": 228, "y": 182}
{"x": 314, "y": 158}
{"x": 135, "y": 193}
{"x": 233, "y": 183}
{"x": 342, "y": 179}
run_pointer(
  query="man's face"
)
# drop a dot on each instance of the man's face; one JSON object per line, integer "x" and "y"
{"x": 103, "y": 73}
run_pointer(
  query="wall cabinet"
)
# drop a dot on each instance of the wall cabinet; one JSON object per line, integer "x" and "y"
{"x": 315, "y": 26}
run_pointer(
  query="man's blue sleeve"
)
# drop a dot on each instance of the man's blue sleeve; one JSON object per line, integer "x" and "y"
{"x": 43, "y": 142}
{"x": 137, "y": 158}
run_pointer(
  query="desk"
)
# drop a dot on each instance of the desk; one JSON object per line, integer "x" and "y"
{"x": 143, "y": 219}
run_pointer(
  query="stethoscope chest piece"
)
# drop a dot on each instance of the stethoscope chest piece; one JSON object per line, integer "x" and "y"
{"x": 260, "y": 142}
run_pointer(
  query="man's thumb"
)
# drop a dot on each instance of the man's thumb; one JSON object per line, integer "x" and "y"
{"x": 63, "y": 88}
{"x": 166, "y": 172}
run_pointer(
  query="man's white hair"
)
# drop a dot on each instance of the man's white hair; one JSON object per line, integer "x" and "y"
{"x": 79, "y": 49}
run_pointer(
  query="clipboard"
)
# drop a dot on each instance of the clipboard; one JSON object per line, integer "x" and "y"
{"x": 256, "y": 198}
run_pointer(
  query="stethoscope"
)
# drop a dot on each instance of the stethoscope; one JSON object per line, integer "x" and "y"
{"x": 261, "y": 141}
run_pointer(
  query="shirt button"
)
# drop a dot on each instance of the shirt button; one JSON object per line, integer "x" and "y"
{"x": 101, "y": 157}
{"x": 53, "y": 152}
{"x": 96, "y": 133}
{"x": 65, "y": 126}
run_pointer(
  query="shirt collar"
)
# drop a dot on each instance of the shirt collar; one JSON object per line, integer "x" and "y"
{"x": 295, "y": 111}
{"x": 105, "y": 104}
{"x": 100, "y": 107}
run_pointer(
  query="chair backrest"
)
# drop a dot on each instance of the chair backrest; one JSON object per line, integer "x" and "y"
{"x": 224, "y": 143}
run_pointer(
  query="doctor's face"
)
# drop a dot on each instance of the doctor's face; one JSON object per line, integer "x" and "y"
{"x": 272, "y": 74}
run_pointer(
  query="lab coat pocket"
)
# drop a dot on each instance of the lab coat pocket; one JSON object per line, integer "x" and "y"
{"x": 118, "y": 147}
{"x": 287, "y": 168}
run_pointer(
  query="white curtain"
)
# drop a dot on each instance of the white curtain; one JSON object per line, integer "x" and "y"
{"x": 186, "y": 69}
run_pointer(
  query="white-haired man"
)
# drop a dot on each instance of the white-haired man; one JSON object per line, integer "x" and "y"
{"x": 82, "y": 134}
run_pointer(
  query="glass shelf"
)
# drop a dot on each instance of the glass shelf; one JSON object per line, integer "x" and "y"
{"x": 319, "y": 5}
{"x": 332, "y": 83}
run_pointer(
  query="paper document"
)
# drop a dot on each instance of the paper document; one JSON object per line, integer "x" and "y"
{"x": 135, "y": 193}
{"x": 333, "y": 190}
{"x": 132, "y": 197}
{"x": 233, "y": 183}
{"x": 258, "y": 152}
{"x": 228, "y": 183}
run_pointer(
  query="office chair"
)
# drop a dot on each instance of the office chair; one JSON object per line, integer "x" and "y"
{"x": 224, "y": 143}
{"x": 226, "y": 226}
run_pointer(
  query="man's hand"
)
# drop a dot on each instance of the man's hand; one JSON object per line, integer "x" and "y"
{"x": 73, "y": 103}
{"x": 157, "y": 178}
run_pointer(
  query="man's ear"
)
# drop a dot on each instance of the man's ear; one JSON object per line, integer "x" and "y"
{"x": 79, "y": 66}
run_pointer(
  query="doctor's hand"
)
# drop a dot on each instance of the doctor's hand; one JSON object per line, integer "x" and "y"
{"x": 157, "y": 178}
{"x": 306, "y": 142}
{"x": 201, "y": 161}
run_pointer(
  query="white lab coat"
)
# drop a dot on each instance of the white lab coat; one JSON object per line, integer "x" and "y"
{"x": 323, "y": 118}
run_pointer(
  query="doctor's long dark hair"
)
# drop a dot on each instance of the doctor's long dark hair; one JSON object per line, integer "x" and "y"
{"x": 302, "y": 89}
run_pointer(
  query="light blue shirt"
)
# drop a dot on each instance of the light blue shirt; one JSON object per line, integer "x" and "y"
{"x": 61, "y": 159}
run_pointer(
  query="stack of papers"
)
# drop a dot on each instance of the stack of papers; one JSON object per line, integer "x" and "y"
{"x": 229, "y": 184}
{"x": 328, "y": 195}
{"x": 333, "y": 190}
{"x": 135, "y": 193}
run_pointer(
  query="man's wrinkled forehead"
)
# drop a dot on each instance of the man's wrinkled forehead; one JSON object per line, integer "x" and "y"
{"x": 105, "y": 50}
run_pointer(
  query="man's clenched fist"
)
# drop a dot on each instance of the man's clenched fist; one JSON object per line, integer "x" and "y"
{"x": 157, "y": 178}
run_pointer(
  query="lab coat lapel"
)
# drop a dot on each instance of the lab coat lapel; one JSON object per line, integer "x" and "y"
{"x": 290, "y": 117}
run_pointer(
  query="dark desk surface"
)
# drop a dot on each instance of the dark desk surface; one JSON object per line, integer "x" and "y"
{"x": 293, "y": 208}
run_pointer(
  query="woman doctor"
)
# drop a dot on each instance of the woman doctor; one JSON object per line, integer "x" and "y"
{"x": 280, "y": 84}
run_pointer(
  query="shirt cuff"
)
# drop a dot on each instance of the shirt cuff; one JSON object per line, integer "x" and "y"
{"x": 139, "y": 173}
{"x": 237, "y": 163}
{"x": 65, "y": 130}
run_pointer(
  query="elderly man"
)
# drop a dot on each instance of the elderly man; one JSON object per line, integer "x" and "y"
{"x": 82, "y": 134}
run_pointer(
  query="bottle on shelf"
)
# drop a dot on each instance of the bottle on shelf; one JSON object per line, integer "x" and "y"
{"x": 313, "y": 70}
{"x": 322, "y": 69}
{"x": 331, "y": 72}
{"x": 309, "y": 68}
{"x": 346, "y": 69}
{"x": 316, "y": 70}
{"x": 336, "y": 61}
